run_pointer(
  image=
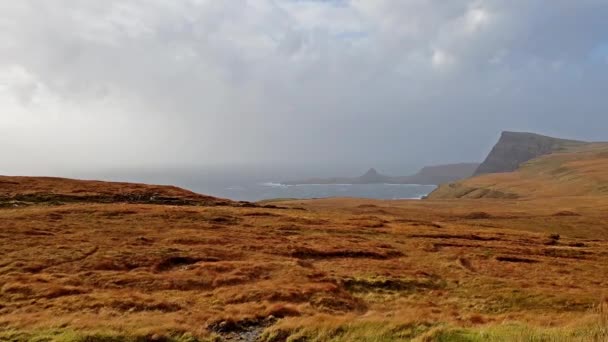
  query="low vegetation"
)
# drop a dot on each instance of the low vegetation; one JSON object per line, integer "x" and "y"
{"x": 316, "y": 270}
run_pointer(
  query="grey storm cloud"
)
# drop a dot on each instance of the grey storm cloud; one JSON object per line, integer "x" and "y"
{"x": 87, "y": 82}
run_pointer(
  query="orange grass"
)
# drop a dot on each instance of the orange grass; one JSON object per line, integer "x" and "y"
{"x": 220, "y": 269}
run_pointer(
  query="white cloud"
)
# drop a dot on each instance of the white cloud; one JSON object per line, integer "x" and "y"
{"x": 442, "y": 59}
{"x": 219, "y": 81}
{"x": 476, "y": 18}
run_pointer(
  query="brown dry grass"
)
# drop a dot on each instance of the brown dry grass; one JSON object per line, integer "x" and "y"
{"x": 21, "y": 191}
{"x": 576, "y": 172}
{"x": 417, "y": 265}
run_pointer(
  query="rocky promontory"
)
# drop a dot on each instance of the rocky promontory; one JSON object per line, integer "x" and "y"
{"x": 516, "y": 148}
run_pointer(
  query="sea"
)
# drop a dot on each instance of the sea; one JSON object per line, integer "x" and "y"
{"x": 256, "y": 184}
{"x": 270, "y": 190}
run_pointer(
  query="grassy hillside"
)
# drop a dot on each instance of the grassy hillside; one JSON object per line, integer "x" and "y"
{"x": 318, "y": 270}
{"x": 21, "y": 191}
{"x": 576, "y": 171}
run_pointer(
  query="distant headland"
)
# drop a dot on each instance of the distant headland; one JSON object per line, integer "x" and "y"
{"x": 430, "y": 175}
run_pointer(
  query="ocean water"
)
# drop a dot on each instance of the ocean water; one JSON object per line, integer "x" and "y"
{"x": 255, "y": 184}
{"x": 268, "y": 190}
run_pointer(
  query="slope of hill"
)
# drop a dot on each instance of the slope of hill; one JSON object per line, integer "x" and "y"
{"x": 429, "y": 175}
{"x": 515, "y": 148}
{"x": 15, "y": 191}
{"x": 576, "y": 171}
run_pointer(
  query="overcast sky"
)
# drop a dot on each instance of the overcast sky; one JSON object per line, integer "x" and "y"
{"x": 88, "y": 83}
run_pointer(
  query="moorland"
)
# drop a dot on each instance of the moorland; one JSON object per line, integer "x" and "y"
{"x": 513, "y": 256}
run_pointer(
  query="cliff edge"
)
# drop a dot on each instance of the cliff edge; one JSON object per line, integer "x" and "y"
{"x": 574, "y": 169}
{"x": 516, "y": 148}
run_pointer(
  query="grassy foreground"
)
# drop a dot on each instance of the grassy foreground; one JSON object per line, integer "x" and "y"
{"x": 319, "y": 270}
{"x": 367, "y": 331}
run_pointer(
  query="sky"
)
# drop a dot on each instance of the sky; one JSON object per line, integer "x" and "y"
{"x": 129, "y": 83}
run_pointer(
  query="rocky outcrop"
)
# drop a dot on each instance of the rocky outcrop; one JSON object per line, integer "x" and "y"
{"x": 516, "y": 148}
{"x": 372, "y": 176}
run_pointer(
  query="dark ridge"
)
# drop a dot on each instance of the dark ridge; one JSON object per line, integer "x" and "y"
{"x": 515, "y": 148}
{"x": 309, "y": 253}
{"x": 516, "y": 259}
